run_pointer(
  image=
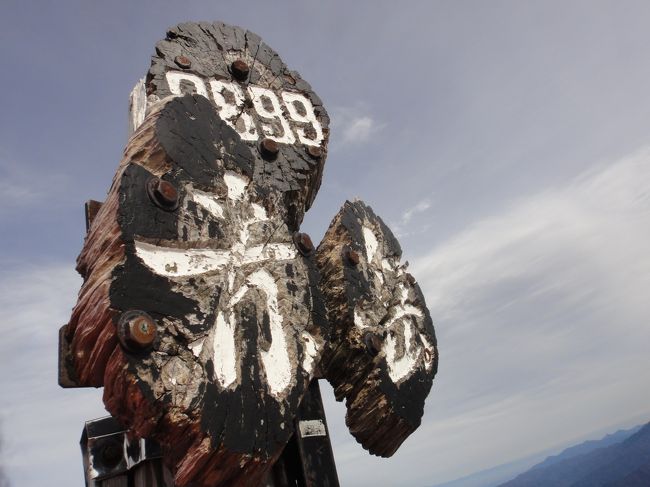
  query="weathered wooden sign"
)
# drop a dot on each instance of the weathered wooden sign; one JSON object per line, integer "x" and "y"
{"x": 204, "y": 311}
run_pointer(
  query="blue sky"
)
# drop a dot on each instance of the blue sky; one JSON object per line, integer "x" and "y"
{"x": 506, "y": 142}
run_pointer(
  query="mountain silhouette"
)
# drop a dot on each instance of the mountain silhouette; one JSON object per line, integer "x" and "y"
{"x": 625, "y": 463}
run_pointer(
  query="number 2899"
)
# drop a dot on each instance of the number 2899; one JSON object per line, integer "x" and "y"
{"x": 297, "y": 121}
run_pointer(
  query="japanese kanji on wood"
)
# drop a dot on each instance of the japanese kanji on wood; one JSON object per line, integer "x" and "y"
{"x": 204, "y": 311}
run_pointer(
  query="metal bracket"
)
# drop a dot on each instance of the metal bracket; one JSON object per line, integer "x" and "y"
{"x": 107, "y": 450}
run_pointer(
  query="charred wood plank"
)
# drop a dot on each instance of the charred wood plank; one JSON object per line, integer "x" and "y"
{"x": 199, "y": 313}
{"x": 382, "y": 356}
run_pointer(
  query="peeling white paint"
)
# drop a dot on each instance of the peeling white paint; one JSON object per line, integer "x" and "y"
{"x": 231, "y": 112}
{"x": 230, "y": 101}
{"x": 276, "y": 359}
{"x": 236, "y": 185}
{"x": 173, "y": 262}
{"x": 370, "y": 241}
{"x": 403, "y": 367}
{"x": 259, "y": 212}
{"x": 290, "y": 100}
{"x": 399, "y": 369}
{"x": 197, "y": 346}
{"x": 225, "y": 353}
{"x": 178, "y": 263}
{"x": 358, "y": 319}
{"x": 209, "y": 202}
{"x": 275, "y": 251}
{"x": 174, "y": 79}
{"x": 275, "y": 112}
{"x": 310, "y": 352}
{"x": 432, "y": 353}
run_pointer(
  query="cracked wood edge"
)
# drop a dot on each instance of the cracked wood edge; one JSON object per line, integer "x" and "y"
{"x": 382, "y": 356}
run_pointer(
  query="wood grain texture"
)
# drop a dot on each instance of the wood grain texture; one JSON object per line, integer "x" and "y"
{"x": 382, "y": 356}
{"x": 239, "y": 317}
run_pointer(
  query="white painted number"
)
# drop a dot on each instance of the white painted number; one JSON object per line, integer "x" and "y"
{"x": 292, "y": 101}
{"x": 271, "y": 118}
{"x": 230, "y": 109}
{"x": 267, "y": 106}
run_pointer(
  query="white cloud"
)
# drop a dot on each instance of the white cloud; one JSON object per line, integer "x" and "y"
{"x": 41, "y": 423}
{"x": 542, "y": 315}
{"x": 353, "y": 125}
{"x": 418, "y": 208}
{"x": 400, "y": 227}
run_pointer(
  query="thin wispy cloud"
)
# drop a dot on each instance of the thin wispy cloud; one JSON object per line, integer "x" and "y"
{"x": 418, "y": 208}
{"x": 41, "y": 423}
{"x": 542, "y": 316}
{"x": 542, "y": 311}
{"x": 402, "y": 227}
{"x": 353, "y": 125}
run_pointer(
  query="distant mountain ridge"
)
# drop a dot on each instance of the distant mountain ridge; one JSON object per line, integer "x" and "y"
{"x": 621, "y": 464}
{"x": 588, "y": 446}
{"x": 495, "y": 476}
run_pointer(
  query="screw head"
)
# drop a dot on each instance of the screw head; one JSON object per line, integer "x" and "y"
{"x": 303, "y": 243}
{"x": 183, "y": 62}
{"x": 239, "y": 70}
{"x": 136, "y": 330}
{"x": 373, "y": 343}
{"x": 314, "y": 151}
{"x": 351, "y": 256}
{"x": 269, "y": 149}
{"x": 162, "y": 193}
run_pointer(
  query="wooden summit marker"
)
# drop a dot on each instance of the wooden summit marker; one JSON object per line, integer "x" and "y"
{"x": 202, "y": 311}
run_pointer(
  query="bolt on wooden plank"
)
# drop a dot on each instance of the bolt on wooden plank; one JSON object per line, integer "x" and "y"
{"x": 205, "y": 311}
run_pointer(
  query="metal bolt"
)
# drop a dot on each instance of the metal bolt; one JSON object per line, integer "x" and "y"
{"x": 303, "y": 243}
{"x": 373, "y": 343}
{"x": 351, "y": 256}
{"x": 183, "y": 62}
{"x": 314, "y": 151}
{"x": 136, "y": 330}
{"x": 239, "y": 70}
{"x": 269, "y": 149}
{"x": 162, "y": 193}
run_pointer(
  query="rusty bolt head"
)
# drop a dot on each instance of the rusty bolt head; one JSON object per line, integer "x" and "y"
{"x": 162, "y": 193}
{"x": 136, "y": 330}
{"x": 303, "y": 243}
{"x": 373, "y": 343}
{"x": 183, "y": 62}
{"x": 314, "y": 151}
{"x": 351, "y": 256}
{"x": 239, "y": 70}
{"x": 269, "y": 149}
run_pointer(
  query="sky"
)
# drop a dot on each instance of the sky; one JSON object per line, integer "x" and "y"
{"x": 506, "y": 143}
